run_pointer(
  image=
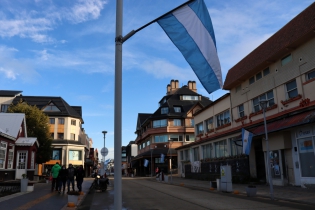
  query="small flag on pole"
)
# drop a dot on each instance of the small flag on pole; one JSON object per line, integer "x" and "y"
{"x": 190, "y": 29}
{"x": 146, "y": 162}
{"x": 162, "y": 158}
{"x": 247, "y": 141}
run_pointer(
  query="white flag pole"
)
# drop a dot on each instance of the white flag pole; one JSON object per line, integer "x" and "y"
{"x": 118, "y": 105}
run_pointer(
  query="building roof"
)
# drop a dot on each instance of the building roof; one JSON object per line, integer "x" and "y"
{"x": 299, "y": 30}
{"x": 26, "y": 141}
{"x": 10, "y": 123}
{"x": 42, "y": 101}
{"x": 10, "y": 93}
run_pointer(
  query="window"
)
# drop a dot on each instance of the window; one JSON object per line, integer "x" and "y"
{"x": 10, "y": 158}
{"x": 196, "y": 153}
{"x": 4, "y": 107}
{"x": 176, "y": 137}
{"x": 52, "y": 121}
{"x": 251, "y": 80}
{"x": 235, "y": 149}
{"x": 258, "y": 76}
{"x": 164, "y": 110}
{"x": 266, "y": 96}
{"x": 192, "y": 122}
{"x": 291, "y": 89}
{"x": 52, "y": 135}
{"x": 177, "y": 109}
{"x": 206, "y": 151}
{"x": 33, "y": 160}
{"x": 139, "y": 147}
{"x": 181, "y": 155}
{"x": 143, "y": 145}
{"x": 223, "y": 118}
{"x": 160, "y": 139}
{"x": 286, "y": 59}
{"x": 199, "y": 128}
{"x": 148, "y": 143}
{"x": 159, "y": 123}
{"x": 61, "y": 121}
{"x": 60, "y": 135}
{"x": 238, "y": 88}
{"x": 51, "y": 108}
{"x": 190, "y": 98}
{"x": 56, "y": 154}
{"x": 75, "y": 155}
{"x": 190, "y": 138}
{"x": 177, "y": 122}
{"x": 310, "y": 75}
{"x": 72, "y": 136}
{"x": 209, "y": 124}
{"x": 73, "y": 122}
{"x": 220, "y": 149}
{"x": 266, "y": 71}
{"x": 186, "y": 154}
{"x": 3, "y": 150}
{"x": 241, "y": 110}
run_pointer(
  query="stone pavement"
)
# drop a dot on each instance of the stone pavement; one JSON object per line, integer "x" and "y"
{"x": 287, "y": 193}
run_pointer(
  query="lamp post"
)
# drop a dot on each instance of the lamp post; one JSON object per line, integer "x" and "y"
{"x": 264, "y": 104}
{"x": 104, "y": 132}
{"x": 171, "y": 141}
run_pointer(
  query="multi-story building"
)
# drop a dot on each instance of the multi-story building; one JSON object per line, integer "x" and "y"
{"x": 70, "y": 143}
{"x": 282, "y": 71}
{"x": 131, "y": 152}
{"x": 169, "y": 127}
{"x": 6, "y": 98}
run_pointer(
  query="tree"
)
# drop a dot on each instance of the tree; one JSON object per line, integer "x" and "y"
{"x": 37, "y": 125}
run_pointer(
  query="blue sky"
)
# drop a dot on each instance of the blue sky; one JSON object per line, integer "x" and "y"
{"x": 67, "y": 49}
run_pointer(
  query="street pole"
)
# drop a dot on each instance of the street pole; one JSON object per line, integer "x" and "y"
{"x": 263, "y": 104}
{"x": 151, "y": 160}
{"x": 104, "y": 132}
{"x": 171, "y": 141}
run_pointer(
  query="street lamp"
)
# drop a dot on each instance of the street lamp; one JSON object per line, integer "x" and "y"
{"x": 171, "y": 141}
{"x": 264, "y": 104}
{"x": 104, "y": 132}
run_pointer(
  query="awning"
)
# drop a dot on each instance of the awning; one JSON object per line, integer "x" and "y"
{"x": 286, "y": 122}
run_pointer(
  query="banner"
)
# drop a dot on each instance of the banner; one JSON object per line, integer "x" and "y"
{"x": 146, "y": 162}
{"x": 247, "y": 141}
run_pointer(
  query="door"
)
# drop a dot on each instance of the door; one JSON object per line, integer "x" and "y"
{"x": 21, "y": 164}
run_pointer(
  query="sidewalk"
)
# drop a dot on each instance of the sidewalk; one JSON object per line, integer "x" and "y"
{"x": 288, "y": 193}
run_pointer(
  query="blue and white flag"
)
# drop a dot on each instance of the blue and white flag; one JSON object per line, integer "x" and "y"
{"x": 247, "y": 141}
{"x": 146, "y": 162}
{"x": 162, "y": 158}
{"x": 190, "y": 29}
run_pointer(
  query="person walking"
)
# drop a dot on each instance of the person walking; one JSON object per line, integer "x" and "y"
{"x": 55, "y": 172}
{"x": 63, "y": 174}
{"x": 80, "y": 174}
{"x": 70, "y": 177}
{"x": 157, "y": 170}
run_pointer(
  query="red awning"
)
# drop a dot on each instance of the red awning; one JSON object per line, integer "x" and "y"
{"x": 286, "y": 122}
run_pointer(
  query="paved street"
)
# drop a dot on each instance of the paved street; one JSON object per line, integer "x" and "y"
{"x": 147, "y": 193}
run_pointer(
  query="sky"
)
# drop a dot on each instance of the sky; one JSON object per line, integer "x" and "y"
{"x": 67, "y": 49}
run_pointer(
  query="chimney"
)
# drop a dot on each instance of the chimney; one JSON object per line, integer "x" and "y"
{"x": 168, "y": 89}
{"x": 189, "y": 85}
{"x": 176, "y": 84}
{"x": 194, "y": 88}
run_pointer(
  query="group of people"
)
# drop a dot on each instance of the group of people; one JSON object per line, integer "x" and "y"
{"x": 62, "y": 175}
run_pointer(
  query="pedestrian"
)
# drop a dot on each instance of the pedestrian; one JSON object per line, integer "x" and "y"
{"x": 80, "y": 174}
{"x": 157, "y": 172}
{"x": 70, "y": 178}
{"x": 55, "y": 172}
{"x": 63, "y": 174}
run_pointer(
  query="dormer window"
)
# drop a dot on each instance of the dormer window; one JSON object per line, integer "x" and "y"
{"x": 286, "y": 59}
{"x": 190, "y": 98}
{"x": 51, "y": 108}
{"x": 164, "y": 110}
{"x": 177, "y": 109}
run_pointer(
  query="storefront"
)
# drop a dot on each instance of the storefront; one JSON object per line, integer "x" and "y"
{"x": 304, "y": 155}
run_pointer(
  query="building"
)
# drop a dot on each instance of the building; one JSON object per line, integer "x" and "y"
{"x": 169, "y": 127}
{"x": 17, "y": 150}
{"x": 282, "y": 71}
{"x": 70, "y": 143}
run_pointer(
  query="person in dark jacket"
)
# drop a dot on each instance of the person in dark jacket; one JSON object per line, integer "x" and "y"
{"x": 63, "y": 174}
{"x": 80, "y": 174}
{"x": 55, "y": 172}
{"x": 70, "y": 178}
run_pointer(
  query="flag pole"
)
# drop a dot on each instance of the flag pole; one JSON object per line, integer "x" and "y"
{"x": 131, "y": 33}
{"x": 118, "y": 106}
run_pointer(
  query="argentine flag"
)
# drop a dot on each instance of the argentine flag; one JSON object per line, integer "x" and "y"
{"x": 146, "y": 162}
{"x": 190, "y": 29}
{"x": 247, "y": 141}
